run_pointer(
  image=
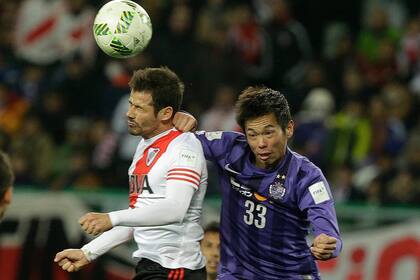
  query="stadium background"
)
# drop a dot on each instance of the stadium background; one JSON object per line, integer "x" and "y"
{"x": 350, "y": 69}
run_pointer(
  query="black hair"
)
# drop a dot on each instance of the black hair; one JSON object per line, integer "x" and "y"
{"x": 212, "y": 227}
{"x": 163, "y": 84}
{"x": 258, "y": 101}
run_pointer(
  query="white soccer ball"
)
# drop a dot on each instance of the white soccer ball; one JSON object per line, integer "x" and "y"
{"x": 122, "y": 28}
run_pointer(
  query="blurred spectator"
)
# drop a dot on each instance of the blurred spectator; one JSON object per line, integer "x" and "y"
{"x": 350, "y": 135}
{"x": 376, "y": 31}
{"x": 81, "y": 95}
{"x": 210, "y": 246}
{"x": 74, "y": 161}
{"x": 76, "y": 139}
{"x": 343, "y": 188}
{"x": 32, "y": 82}
{"x": 12, "y": 110}
{"x": 395, "y": 7}
{"x": 411, "y": 156}
{"x": 376, "y": 46}
{"x": 311, "y": 125}
{"x": 291, "y": 47}
{"x": 314, "y": 77}
{"x": 53, "y": 115}
{"x": 213, "y": 59}
{"x": 374, "y": 177}
{"x": 250, "y": 45}
{"x": 127, "y": 142}
{"x": 175, "y": 46}
{"x": 211, "y": 21}
{"x": 389, "y": 132}
{"x": 401, "y": 189}
{"x": 35, "y": 147}
{"x": 353, "y": 87}
{"x": 409, "y": 56}
{"x": 79, "y": 173}
{"x": 6, "y": 183}
{"x": 221, "y": 116}
{"x": 338, "y": 52}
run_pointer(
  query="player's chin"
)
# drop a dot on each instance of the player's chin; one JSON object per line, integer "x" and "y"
{"x": 135, "y": 131}
{"x": 211, "y": 268}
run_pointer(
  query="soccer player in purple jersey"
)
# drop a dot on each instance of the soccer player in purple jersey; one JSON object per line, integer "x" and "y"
{"x": 272, "y": 197}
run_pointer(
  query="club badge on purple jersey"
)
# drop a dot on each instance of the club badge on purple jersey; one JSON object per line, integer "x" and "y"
{"x": 277, "y": 189}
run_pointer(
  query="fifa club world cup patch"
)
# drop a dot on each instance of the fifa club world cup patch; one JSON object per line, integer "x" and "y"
{"x": 319, "y": 192}
{"x": 187, "y": 158}
{"x": 213, "y": 135}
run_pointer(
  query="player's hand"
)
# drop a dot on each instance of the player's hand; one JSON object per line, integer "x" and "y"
{"x": 323, "y": 246}
{"x": 184, "y": 122}
{"x": 71, "y": 260}
{"x": 95, "y": 223}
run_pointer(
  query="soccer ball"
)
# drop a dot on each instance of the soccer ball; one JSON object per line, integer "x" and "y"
{"x": 122, "y": 28}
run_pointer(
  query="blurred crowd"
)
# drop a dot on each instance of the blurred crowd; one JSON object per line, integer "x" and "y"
{"x": 353, "y": 84}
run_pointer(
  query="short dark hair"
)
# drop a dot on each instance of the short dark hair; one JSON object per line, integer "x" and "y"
{"x": 212, "y": 227}
{"x": 164, "y": 85}
{"x": 258, "y": 101}
{"x": 7, "y": 176}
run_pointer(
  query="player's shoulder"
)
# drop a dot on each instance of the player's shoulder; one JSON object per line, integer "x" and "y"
{"x": 306, "y": 170}
{"x": 225, "y": 136}
{"x": 186, "y": 140}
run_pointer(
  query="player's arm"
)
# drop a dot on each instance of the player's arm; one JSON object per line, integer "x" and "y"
{"x": 318, "y": 203}
{"x": 183, "y": 179}
{"x": 168, "y": 210}
{"x": 72, "y": 260}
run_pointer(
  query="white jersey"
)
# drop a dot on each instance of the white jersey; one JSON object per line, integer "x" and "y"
{"x": 170, "y": 157}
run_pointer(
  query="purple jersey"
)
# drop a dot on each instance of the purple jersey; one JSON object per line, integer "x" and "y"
{"x": 267, "y": 214}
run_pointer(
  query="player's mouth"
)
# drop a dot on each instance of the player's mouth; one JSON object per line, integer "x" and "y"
{"x": 131, "y": 123}
{"x": 212, "y": 264}
{"x": 264, "y": 156}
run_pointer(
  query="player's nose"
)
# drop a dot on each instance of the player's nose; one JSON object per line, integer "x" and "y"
{"x": 261, "y": 142}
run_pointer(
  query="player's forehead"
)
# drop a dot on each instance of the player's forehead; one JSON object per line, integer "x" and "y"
{"x": 211, "y": 236}
{"x": 262, "y": 123}
{"x": 141, "y": 98}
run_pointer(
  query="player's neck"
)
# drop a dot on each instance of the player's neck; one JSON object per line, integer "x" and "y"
{"x": 161, "y": 129}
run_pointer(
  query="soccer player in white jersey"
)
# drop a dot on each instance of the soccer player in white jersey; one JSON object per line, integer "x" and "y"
{"x": 167, "y": 179}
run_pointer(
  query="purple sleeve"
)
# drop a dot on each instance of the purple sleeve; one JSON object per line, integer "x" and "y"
{"x": 317, "y": 201}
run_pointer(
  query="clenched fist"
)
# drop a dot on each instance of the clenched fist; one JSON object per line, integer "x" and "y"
{"x": 323, "y": 246}
{"x": 71, "y": 260}
{"x": 184, "y": 122}
{"x": 95, "y": 223}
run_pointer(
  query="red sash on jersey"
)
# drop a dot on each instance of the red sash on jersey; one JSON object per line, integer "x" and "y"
{"x": 150, "y": 156}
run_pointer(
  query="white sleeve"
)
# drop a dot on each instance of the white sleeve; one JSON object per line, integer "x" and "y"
{"x": 168, "y": 210}
{"x": 106, "y": 241}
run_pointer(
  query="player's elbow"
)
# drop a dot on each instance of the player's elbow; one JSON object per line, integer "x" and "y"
{"x": 175, "y": 213}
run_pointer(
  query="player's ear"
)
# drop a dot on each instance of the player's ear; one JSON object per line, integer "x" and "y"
{"x": 166, "y": 113}
{"x": 290, "y": 129}
{"x": 7, "y": 197}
